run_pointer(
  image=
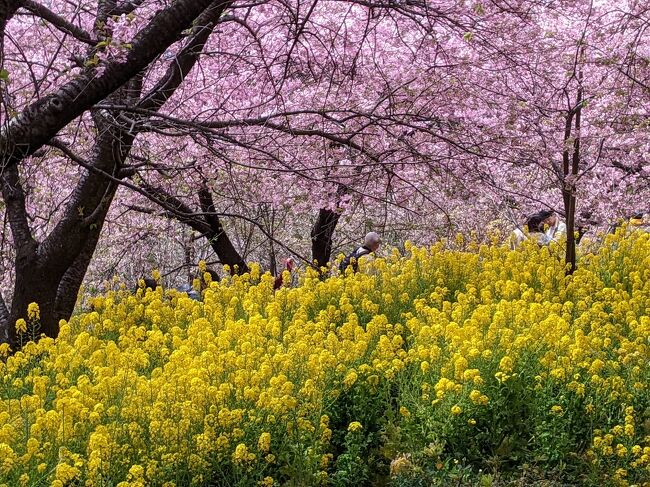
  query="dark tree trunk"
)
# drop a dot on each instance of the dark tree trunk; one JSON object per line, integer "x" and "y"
{"x": 34, "y": 283}
{"x": 218, "y": 237}
{"x": 4, "y": 321}
{"x": 273, "y": 262}
{"x": 51, "y": 273}
{"x": 68, "y": 290}
{"x": 569, "y": 209}
{"x": 321, "y": 236}
{"x": 569, "y": 198}
{"x": 571, "y": 166}
{"x": 7, "y": 10}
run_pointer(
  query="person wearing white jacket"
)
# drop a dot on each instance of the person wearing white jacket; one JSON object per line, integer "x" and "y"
{"x": 543, "y": 227}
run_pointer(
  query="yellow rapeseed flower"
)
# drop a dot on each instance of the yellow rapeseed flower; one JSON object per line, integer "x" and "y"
{"x": 33, "y": 312}
{"x": 201, "y": 380}
{"x": 21, "y": 325}
{"x": 355, "y": 426}
{"x": 264, "y": 442}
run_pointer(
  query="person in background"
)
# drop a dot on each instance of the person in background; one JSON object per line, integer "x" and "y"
{"x": 371, "y": 244}
{"x": 193, "y": 291}
{"x": 552, "y": 227}
{"x": 543, "y": 227}
{"x": 640, "y": 221}
{"x": 146, "y": 283}
{"x": 289, "y": 265}
{"x": 532, "y": 230}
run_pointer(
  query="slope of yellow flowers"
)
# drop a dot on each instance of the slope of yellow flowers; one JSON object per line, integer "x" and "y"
{"x": 437, "y": 365}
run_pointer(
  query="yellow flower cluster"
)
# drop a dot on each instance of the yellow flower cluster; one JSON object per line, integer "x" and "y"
{"x": 156, "y": 388}
{"x": 355, "y": 426}
{"x": 33, "y": 312}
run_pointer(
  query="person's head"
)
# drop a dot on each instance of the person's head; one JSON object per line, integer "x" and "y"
{"x": 639, "y": 218}
{"x": 289, "y": 264}
{"x": 372, "y": 241}
{"x": 534, "y": 223}
{"x": 537, "y": 221}
{"x": 548, "y": 217}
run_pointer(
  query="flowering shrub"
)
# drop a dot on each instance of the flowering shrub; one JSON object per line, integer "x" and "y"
{"x": 442, "y": 364}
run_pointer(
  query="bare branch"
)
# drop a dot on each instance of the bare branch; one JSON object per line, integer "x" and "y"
{"x": 59, "y": 22}
{"x": 14, "y": 196}
{"x": 41, "y": 120}
{"x": 126, "y": 7}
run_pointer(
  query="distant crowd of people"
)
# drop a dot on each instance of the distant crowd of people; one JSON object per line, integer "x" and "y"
{"x": 546, "y": 226}
{"x": 543, "y": 227}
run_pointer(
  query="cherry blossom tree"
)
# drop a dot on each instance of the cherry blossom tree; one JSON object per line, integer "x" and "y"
{"x": 111, "y": 88}
{"x": 290, "y": 127}
{"x": 555, "y": 96}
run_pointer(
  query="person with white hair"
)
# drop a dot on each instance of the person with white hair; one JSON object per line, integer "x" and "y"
{"x": 371, "y": 243}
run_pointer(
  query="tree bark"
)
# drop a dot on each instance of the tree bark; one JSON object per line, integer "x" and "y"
{"x": 4, "y": 321}
{"x": 218, "y": 237}
{"x": 51, "y": 273}
{"x": 321, "y": 236}
{"x": 571, "y": 166}
{"x": 41, "y": 120}
{"x": 7, "y": 10}
{"x": 569, "y": 196}
{"x": 68, "y": 290}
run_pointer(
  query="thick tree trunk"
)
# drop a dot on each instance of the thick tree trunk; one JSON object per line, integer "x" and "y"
{"x": 34, "y": 284}
{"x": 219, "y": 240}
{"x": 68, "y": 290}
{"x": 321, "y": 236}
{"x": 4, "y": 321}
{"x": 7, "y": 10}
{"x": 51, "y": 273}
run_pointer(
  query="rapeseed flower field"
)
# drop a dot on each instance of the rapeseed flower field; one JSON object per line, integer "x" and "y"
{"x": 468, "y": 366}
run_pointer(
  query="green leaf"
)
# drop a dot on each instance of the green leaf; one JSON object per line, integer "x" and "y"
{"x": 93, "y": 61}
{"x": 4, "y": 74}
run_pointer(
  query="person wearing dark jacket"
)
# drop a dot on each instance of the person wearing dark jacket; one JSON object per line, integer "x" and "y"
{"x": 371, "y": 244}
